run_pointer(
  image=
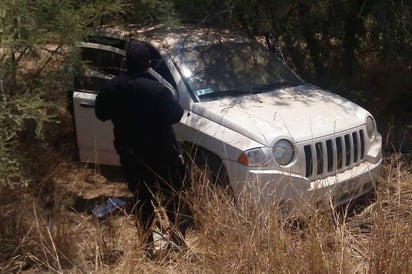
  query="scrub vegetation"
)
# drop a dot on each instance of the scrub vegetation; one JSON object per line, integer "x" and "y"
{"x": 360, "y": 49}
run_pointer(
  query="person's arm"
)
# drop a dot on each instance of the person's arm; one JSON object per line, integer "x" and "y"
{"x": 102, "y": 106}
{"x": 170, "y": 111}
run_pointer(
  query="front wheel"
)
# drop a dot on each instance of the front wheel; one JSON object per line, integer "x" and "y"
{"x": 208, "y": 167}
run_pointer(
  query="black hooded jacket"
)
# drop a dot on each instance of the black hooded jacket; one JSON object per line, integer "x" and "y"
{"x": 142, "y": 111}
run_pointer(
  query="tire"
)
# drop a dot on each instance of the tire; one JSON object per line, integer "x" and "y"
{"x": 207, "y": 166}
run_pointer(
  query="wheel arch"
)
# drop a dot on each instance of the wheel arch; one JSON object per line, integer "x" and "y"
{"x": 205, "y": 158}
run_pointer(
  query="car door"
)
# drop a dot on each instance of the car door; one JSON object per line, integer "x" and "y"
{"x": 103, "y": 57}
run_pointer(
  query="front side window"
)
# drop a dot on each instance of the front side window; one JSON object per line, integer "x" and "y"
{"x": 102, "y": 62}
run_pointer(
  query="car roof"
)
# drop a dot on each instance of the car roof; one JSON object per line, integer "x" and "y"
{"x": 163, "y": 37}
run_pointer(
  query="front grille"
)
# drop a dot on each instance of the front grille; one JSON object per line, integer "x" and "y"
{"x": 335, "y": 154}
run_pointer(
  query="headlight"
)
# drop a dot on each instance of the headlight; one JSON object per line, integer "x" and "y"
{"x": 252, "y": 157}
{"x": 370, "y": 127}
{"x": 283, "y": 152}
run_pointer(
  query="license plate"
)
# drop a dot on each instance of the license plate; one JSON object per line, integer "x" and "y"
{"x": 347, "y": 187}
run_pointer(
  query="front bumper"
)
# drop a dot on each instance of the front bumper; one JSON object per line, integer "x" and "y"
{"x": 297, "y": 193}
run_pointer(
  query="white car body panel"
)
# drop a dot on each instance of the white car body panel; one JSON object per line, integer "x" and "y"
{"x": 264, "y": 117}
{"x": 97, "y": 145}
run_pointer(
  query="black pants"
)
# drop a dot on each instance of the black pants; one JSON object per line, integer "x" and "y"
{"x": 158, "y": 184}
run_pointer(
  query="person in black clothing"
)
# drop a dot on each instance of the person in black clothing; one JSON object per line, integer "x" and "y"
{"x": 142, "y": 112}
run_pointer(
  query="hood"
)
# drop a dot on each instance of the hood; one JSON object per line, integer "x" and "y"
{"x": 300, "y": 113}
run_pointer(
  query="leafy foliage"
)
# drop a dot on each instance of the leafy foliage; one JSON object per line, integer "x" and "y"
{"x": 15, "y": 112}
{"x": 34, "y": 38}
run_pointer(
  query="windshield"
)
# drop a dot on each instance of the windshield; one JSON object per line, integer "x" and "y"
{"x": 232, "y": 69}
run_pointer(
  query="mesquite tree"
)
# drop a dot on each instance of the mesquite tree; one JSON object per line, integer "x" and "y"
{"x": 35, "y": 36}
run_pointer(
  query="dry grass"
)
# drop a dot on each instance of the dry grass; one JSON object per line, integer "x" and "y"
{"x": 227, "y": 238}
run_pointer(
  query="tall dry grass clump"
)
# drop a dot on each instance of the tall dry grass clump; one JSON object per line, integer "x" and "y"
{"x": 228, "y": 236}
{"x": 27, "y": 238}
{"x": 390, "y": 241}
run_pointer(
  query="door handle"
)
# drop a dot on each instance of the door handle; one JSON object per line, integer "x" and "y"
{"x": 87, "y": 104}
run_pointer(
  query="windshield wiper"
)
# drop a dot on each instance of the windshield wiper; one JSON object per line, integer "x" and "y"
{"x": 273, "y": 86}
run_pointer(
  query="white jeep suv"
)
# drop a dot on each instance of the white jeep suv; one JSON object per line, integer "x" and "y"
{"x": 248, "y": 116}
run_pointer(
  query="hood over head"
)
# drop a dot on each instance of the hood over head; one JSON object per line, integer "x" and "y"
{"x": 137, "y": 57}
